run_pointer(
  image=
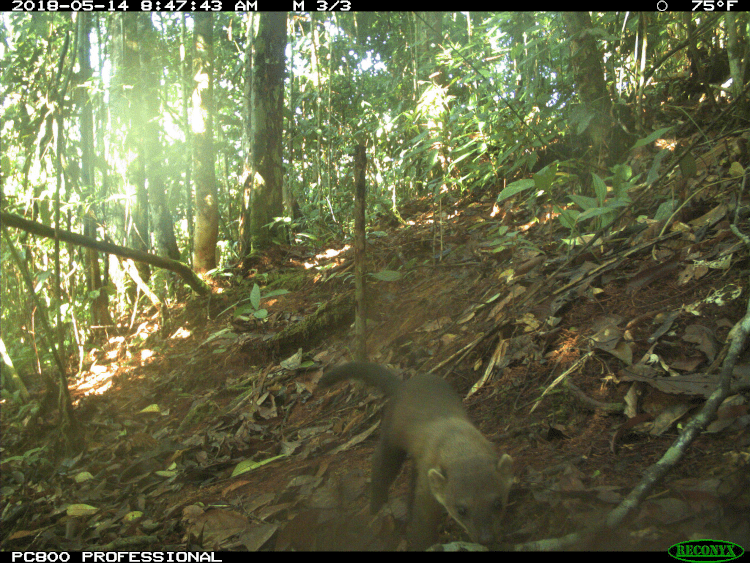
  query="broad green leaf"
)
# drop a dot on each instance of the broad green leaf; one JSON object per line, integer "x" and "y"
{"x": 653, "y": 173}
{"x": 600, "y": 188}
{"x": 736, "y": 169}
{"x": 567, "y": 217}
{"x": 544, "y": 178}
{"x": 595, "y": 212}
{"x": 387, "y": 275}
{"x": 255, "y": 296}
{"x": 515, "y": 188}
{"x": 244, "y": 311}
{"x": 651, "y": 138}
{"x": 585, "y": 202}
{"x": 688, "y": 166}
{"x": 665, "y": 210}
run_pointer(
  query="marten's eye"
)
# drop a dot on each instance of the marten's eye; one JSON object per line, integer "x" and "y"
{"x": 462, "y": 511}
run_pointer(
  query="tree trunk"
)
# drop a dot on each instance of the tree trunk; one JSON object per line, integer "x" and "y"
{"x": 206, "y": 206}
{"x": 267, "y": 102}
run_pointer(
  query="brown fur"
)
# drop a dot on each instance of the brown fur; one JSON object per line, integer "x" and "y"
{"x": 454, "y": 465}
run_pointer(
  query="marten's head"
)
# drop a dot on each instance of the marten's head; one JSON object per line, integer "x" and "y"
{"x": 474, "y": 491}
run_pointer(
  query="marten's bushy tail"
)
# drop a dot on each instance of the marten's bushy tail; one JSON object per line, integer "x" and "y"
{"x": 372, "y": 374}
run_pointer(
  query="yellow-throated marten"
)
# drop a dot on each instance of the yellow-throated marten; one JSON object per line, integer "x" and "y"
{"x": 454, "y": 465}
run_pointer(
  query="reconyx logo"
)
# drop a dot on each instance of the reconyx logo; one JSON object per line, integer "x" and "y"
{"x": 700, "y": 551}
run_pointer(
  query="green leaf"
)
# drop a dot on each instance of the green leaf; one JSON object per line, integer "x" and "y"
{"x": 81, "y": 510}
{"x": 255, "y": 296}
{"x": 651, "y": 138}
{"x": 665, "y": 210}
{"x": 30, "y": 455}
{"x": 82, "y": 477}
{"x": 621, "y": 174}
{"x": 41, "y": 277}
{"x": 543, "y": 179}
{"x": 600, "y": 188}
{"x": 653, "y": 173}
{"x": 567, "y": 217}
{"x": 387, "y": 275}
{"x": 584, "y": 202}
{"x": 244, "y": 310}
{"x": 275, "y": 292}
{"x": 688, "y": 166}
{"x": 249, "y": 465}
{"x": 133, "y": 516}
{"x": 515, "y": 188}
{"x": 595, "y": 212}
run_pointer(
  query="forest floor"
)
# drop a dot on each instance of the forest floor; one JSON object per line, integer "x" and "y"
{"x": 632, "y": 325}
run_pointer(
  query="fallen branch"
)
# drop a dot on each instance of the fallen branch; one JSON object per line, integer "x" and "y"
{"x": 737, "y": 338}
{"x": 190, "y": 277}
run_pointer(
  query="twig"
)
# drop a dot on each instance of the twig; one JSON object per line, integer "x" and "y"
{"x": 738, "y": 337}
